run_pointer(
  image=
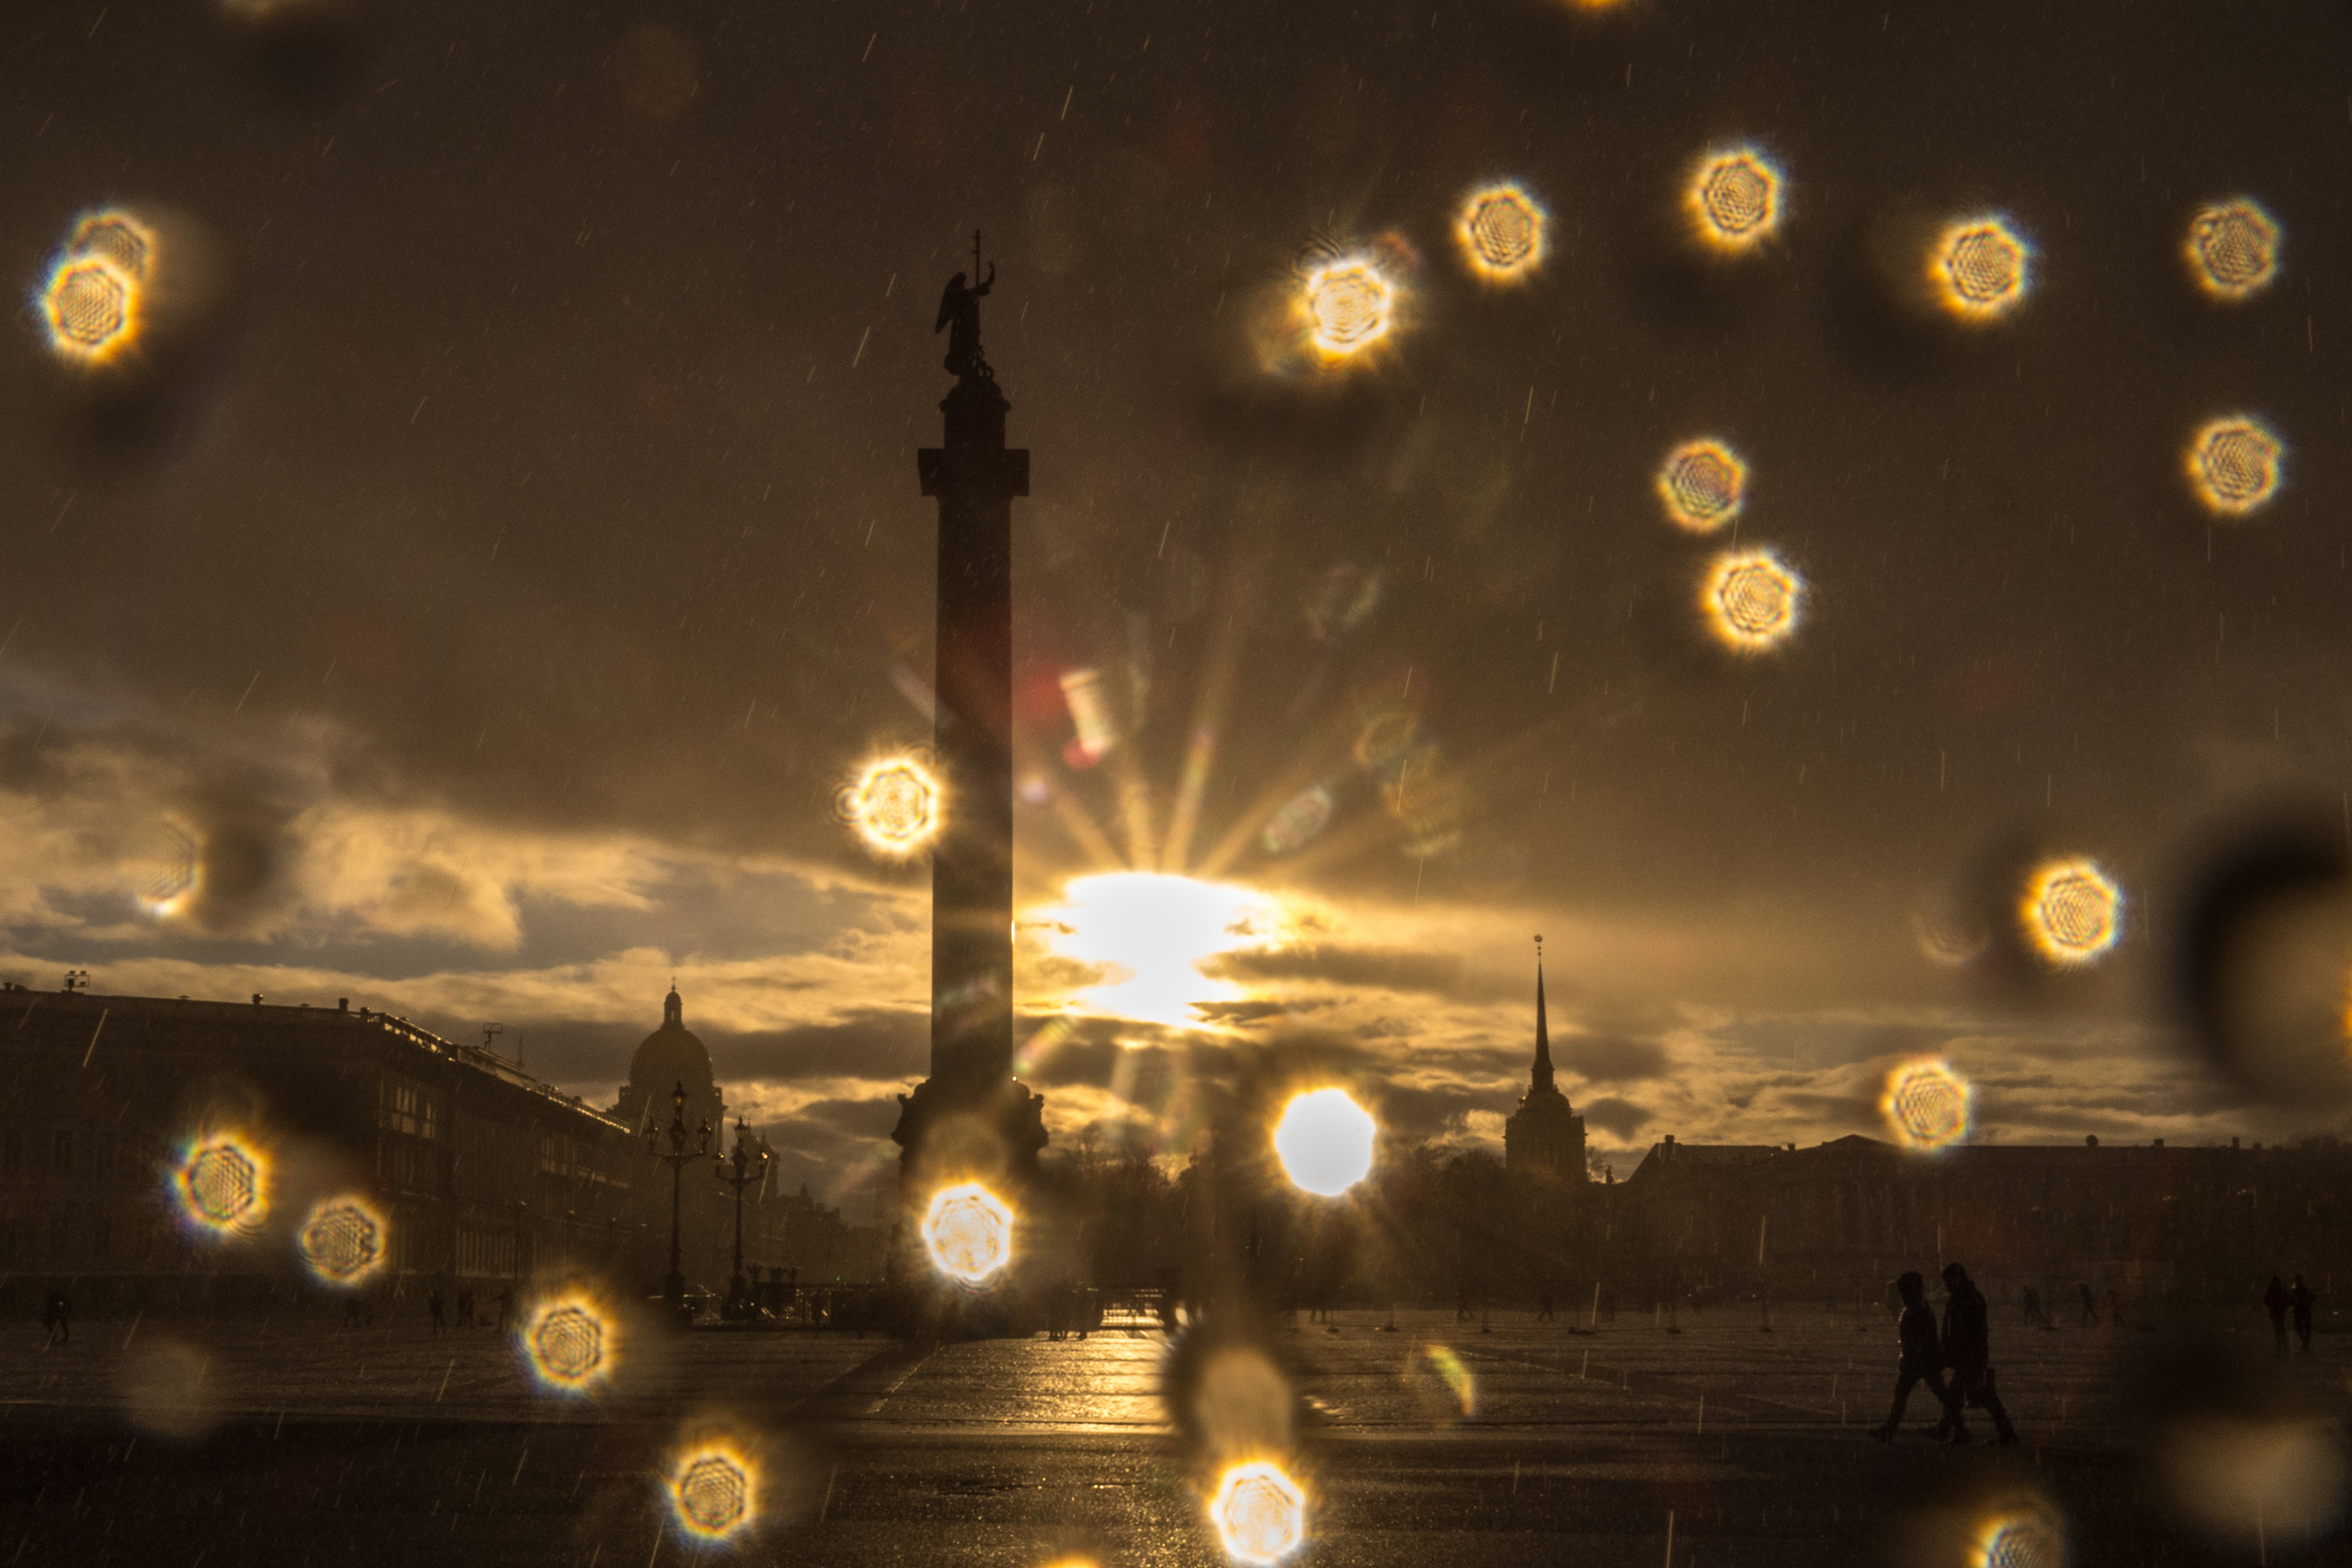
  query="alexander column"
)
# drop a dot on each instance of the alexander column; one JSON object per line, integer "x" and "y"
{"x": 971, "y": 1121}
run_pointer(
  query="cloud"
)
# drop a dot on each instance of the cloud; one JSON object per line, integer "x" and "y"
{"x": 1620, "y": 1118}
{"x": 1606, "y": 1059}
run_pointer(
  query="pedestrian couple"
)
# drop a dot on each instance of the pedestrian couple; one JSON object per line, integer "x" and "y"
{"x": 1964, "y": 1346}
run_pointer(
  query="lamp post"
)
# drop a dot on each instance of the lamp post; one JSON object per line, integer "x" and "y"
{"x": 739, "y": 1171}
{"x": 677, "y": 1156}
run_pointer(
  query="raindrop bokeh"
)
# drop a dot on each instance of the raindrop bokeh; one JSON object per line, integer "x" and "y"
{"x": 2232, "y": 250}
{"x": 1926, "y": 1104}
{"x": 967, "y": 1231}
{"x": 895, "y": 806}
{"x": 343, "y": 1240}
{"x": 572, "y": 1342}
{"x": 713, "y": 1490}
{"x": 221, "y": 1183}
{"x": 2071, "y": 912}
{"x": 1751, "y": 600}
{"x": 1501, "y": 232}
{"x": 1702, "y": 485}
{"x": 1733, "y": 200}
{"x": 1351, "y": 306}
{"x": 1325, "y": 1141}
{"x": 1978, "y": 268}
{"x": 2235, "y": 464}
{"x": 1259, "y": 1512}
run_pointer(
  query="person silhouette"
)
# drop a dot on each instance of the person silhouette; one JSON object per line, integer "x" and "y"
{"x": 2300, "y": 1298}
{"x": 2089, "y": 1304}
{"x": 433, "y": 1305}
{"x": 1922, "y": 1358}
{"x": 57, "y": 1316}
{"x": 959, "y": 319}
{"x": 2274, "y": 1302}
{"x": 1968, "y": 1350}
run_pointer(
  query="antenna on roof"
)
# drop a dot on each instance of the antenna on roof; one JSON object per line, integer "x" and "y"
{"x": 491, "y": 1032}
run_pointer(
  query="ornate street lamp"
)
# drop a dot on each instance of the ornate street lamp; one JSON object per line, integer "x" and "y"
{"x": 677, "y": 1156}
{"x": 739, "y": 1171}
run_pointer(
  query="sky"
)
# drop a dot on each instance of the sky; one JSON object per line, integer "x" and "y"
{"x": 500, "y": 542}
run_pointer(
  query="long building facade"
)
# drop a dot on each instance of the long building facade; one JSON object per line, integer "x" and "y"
{"x": 476, "y": 1174}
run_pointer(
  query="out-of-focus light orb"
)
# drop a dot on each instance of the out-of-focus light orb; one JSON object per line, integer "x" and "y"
{"x": 1751, "y": 600}
{"x": 1351, "y": 306}
{"x": 1926, "y": 1104}
{"x": 1090, "y": 714}
{"x": 2071, "y": 912}
{"x": 2283, "y": 1479}
{"x": 2019, "y": 1533}
{"x": 1302, "y": 817}
{"x": 1325, "y": 1141}
{"x": 2236, "y": 465}
{"x": 1948, "y": 936}
{"x": 967, "y": 1231}
{"x": 573, "y": 1343}
{"x": 1154, "y": 929}
{"x": 91, "y": 305}
{"x": 1703, "y": 485}
{"x": 1501, "y": 232}
{"x": 343, "y": 1241}
{"x": 221, "y": 1184}
{"x": 713, "y": 1490}
{"x": 1733, "y": 200}
{"x": 1259, "y": 1512}
{"x": 895, "y": 806}
{"x": 2232, "y": 250}
{"x": 1980, "y": 269}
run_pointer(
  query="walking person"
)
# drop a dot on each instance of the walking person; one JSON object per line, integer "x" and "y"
{"x": 2301, "y": 1299}
{"x": 466, "y": 1307}
{"x": 433, "y": 1305}
{"x": 1922, "y": 1355}
{"x": 2274, "y": 1302}
{"x": 1968, "y": 1350}
{"x": 2034, "y": 1314}
{"x": 2089, "y": 1304}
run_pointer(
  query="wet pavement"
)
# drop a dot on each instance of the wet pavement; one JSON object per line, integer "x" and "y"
{"x": 301, "y": 1442}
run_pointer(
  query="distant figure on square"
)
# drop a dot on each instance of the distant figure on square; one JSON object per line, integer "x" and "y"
{"x": 432, "y": 1304}
{"x": 57, "y": 1317}
{"x": 2275, "y": 1302}
{"x": 1922, "y": 1357}
{"x": 2035, "y": 1317}
{"x": 1968, "y": 1350}
{"x": 1544, "y": 1314}
{"x": 466, "y": 1307}
{"x": 506, "y": 1307}
{"x": 2300, "y": 1297}
{"x": 2089, "y": 1304}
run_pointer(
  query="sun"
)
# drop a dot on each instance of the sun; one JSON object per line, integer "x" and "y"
{"x": 1155, "y": 930}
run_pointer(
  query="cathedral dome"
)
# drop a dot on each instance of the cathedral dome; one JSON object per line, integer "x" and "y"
{"x": 670, "y": 1057}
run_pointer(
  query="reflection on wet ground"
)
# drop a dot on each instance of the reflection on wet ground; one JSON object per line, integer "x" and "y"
{"x": 353, "y": 1443}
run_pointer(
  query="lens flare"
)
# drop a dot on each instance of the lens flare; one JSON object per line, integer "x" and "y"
{"x": 2071, "y": 912}
{"x": 1350, "y": 305}
{"x": 2232, "y": 250}
{"x": 968, "y": 1230}
{"x": 713, "y": 1490}
{"x": 1090, "y": 715}
{"x": 1751, "y": 600}
{"x": 1325, "y": 1141}
{"x": 572, "y": 1342}
{"x": 2237, "y": 1477}
{"x": 1260, "y": 1513}
{"x": 1459, "y": 1398}
{"x": 222, "y": 1184}
{"x": 1926, "y": 1104}
{"x": 1153, "y": 931}
{"x": 1733, "y": 200}
{"x": 2236, "y": 465}
{"x": 1703, "y": 485}
{"x": 343, "y": 1240}
{"x": 895, "y": 806}
{"x": 1978, "y": 268}
{"x": 1301, "y": 818}
{"x": 2019, "y": 1533}
{"x": 1501, "y": 232}
{"x": 165, "y": 869}
{"x": 116, "y": 235}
